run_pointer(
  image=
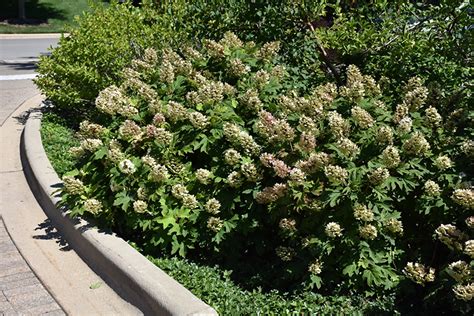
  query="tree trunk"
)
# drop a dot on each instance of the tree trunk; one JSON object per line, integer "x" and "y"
{"x": 21, "y": 10}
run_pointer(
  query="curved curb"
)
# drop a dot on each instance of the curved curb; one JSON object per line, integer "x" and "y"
{"x": 128, "y": 272}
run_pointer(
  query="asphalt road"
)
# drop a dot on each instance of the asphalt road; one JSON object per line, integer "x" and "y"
{"x": 17, "y": 68}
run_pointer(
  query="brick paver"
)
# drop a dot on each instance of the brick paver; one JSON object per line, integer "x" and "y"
{"x": 21, "y": 293}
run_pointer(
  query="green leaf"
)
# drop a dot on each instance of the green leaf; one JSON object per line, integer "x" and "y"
{"x": 96, "y": 285}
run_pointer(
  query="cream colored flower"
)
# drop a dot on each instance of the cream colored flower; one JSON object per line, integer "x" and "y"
{"x": 464, "y": 197}
{"x": 140, "y": 206}
{"x": 431, "y": 188}
{"x": 127, "y": 167}
{"x": 333, "y": 230}
{"x": 418, "y": 273}
{"x": 93, "y": 206}
{"x": 368, "y": 232}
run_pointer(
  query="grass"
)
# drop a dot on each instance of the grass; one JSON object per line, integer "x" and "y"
{"x": 58, "y": 138}
{"x": 43, "y": 16}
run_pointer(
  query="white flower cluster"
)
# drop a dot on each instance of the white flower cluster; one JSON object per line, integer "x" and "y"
{"x": 238, "y": 68}
{"x": 271, "y": 194}
{"x": 198, "y": 120}
{"x": 210, "y": 91}
{"x": 443, "y": 162}
{"x": 114, "y": 152}
{"x": 314, "y": 163}
{"x": 322, "y": 96}
{"x": 307, "y": 142}
{"x": 250, "y": 171}
{"x": 391, "y": 157}
{"x": 251, "y": 100}
{"x": 451, "y": 236}
{"x": 378, "y": 176}
{"x": 464, "y": 197}
{"x": 405, "y": 125}
{"x": 269, "y": 50}
{"x": 401, "y": 111}
{"x": 213, "y": 206}
{"x": 90, "y": 130}
{"x": 73, "y": 185}
{"x": 336, "y": 174}
{"x": 348, "y": 147}
{"x": 368, "y": 232}
{"x": 158, "y": 172}
{"x": 126, "y": 166}
{"x": 333, "y": 230}
{"x": 362, "y": 118}
{"x": 279, "y": 166}
{"x": 191, "y": 54}
{"x": 464, "y": 292}
{"x": 159, "y": 134}
{"x": 431, "y": 188}
{"x": 394, "y": 226}
{"x": 470, "y": 222}
{"x": 143, "y": 89}
{"x": 130, "y": 131}
{"x": 358, "y": 86}
{"x": 91, "y": 144}
{"x": 234, "y": 179}
{"x": 261, "y": 78}
{"x": 418, "y": 273}
{"x": 338, "y": 125}
{"x": 287, "y": 224}
{"x": 416, "y": 145}
{"x": 433, "y": 117}
{"x": 180, "y": 192}
{"x": 175, "y": 112}
{"x": 469, "y": 248}
{"x": 315, "y": 267}
{"x": 415, "y": 94}
{"x": 363, "y": 213}
{"x": 140, "y": 206}
{"x": 204, "y": 176}
{"x": 215, "y": 224}
{"x": 285, "y": 253}
{"x": 459, "y": 270}
{"x": 110, "y": 100}
{"x": 276, "y": 130}
{"x": 93, "y": 206}
{"x": 231, "y": 40}
{"x": 142, "y": 193}
{"x": 467, "y": 147}
{"x": 232, "y": 157}
{"x": 237, "y": 136}
{"x": 384, "y": 135}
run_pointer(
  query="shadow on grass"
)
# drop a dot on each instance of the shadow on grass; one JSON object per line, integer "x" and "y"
{"x": 36, "y": 13}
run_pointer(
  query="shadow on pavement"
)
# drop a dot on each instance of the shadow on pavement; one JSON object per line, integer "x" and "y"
{"x": 50, "y": 233}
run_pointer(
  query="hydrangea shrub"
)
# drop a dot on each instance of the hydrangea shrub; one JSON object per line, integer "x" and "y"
{"x": 212, "y": 150}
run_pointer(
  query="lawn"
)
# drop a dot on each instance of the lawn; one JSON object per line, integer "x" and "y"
{"x": 43, "y": 16}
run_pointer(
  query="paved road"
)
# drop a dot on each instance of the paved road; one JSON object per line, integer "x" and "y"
{"x": 17, "y": 67}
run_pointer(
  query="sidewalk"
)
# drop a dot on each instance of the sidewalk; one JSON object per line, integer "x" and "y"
{"x": 72, "y": 284}
{"x": 20, "y": 290}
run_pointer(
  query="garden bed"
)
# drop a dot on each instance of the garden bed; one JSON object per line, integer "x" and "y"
{"x": 210, "y": 283}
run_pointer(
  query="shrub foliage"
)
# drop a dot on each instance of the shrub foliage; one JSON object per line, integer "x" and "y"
{"x": 212, "y": 151}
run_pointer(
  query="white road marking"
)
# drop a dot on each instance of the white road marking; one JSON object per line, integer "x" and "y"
{"x": 18, "y": 61}
{"x": 18, "y": 77}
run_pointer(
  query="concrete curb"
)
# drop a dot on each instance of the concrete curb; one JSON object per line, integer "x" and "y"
{"x": 32, "y": 35}
{"x": 128, "y": 272}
